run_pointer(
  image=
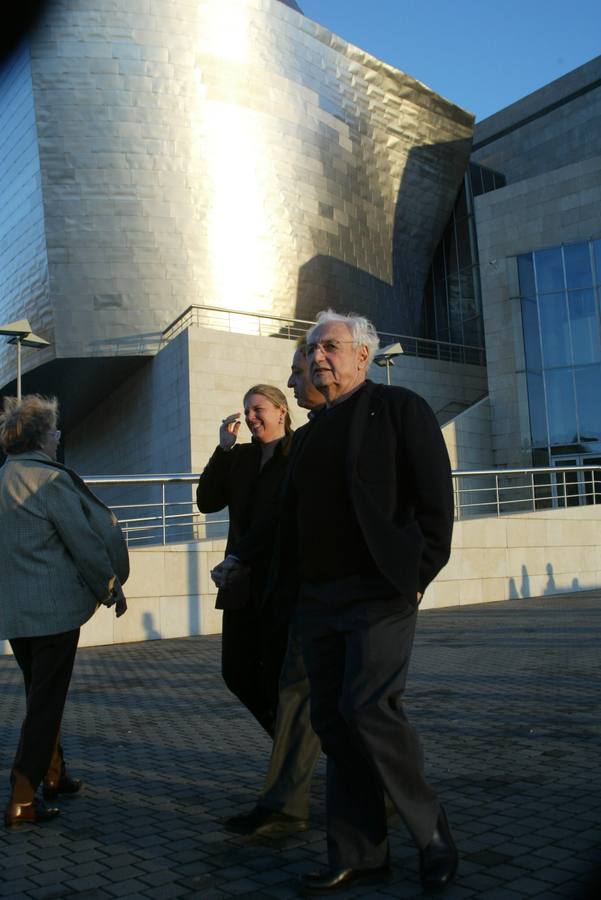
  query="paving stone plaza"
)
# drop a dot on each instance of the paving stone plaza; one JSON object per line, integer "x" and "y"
{"x": 506, "y": 697}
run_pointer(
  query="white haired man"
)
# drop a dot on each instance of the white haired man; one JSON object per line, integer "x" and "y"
{"x": 369, "y": 517}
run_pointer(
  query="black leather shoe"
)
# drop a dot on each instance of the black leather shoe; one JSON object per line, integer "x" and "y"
{"x": 438, "y": 861}
{"x": 35, "y": 813}
{"x": 65, "y": 785}
{"x": 333, "y": 880}
{"x": 263, "y": 821}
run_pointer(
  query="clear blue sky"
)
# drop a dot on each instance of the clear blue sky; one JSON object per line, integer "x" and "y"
{"x": 481, "y": 54}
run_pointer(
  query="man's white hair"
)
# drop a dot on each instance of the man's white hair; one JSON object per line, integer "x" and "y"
{"x": 362, "y": 330}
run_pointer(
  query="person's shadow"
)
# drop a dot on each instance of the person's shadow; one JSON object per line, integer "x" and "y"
{"x": 148, "y": 624}
{"x": 550, "y": 587}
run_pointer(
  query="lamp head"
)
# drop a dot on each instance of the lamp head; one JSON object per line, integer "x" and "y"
{"x": 385, "y": 357}
{"x": 16, "y": 330}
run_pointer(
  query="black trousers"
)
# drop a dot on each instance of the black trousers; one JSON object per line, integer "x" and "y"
{"x": 253, "y": 645}
{"x": 296, "y": 747}
{"x": 357, "y": 640}
{"x": 47, "y": 664}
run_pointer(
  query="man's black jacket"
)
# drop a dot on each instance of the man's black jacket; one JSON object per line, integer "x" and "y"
{"x": 400, "y": 484}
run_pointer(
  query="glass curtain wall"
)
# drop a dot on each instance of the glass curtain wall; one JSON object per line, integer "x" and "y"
{"x": 560, "y": 293}
{"x": 452, "y": 307}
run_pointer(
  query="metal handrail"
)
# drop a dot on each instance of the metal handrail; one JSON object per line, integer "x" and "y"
{"x": 163, "y": 525}
{"x": 268, "y": 325}
{"x": 477, "y": 492}
{"x": 540, "y": 488}
{"x": 535, "y": 470}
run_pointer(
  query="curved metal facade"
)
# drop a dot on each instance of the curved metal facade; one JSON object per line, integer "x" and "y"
{"x": 229, "y": 153}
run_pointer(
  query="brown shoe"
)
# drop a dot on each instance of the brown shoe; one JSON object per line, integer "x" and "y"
{"x": 33, "y": 813}
{"x": 64, "y": 785}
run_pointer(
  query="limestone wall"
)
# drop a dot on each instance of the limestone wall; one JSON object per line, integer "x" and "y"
{"x": 558, "y": 551}
{"x": 528, "y": 555}
{"x": 166, "y": 417}
{"x": 468, "y": 437}
{"x": 561, "y": 206}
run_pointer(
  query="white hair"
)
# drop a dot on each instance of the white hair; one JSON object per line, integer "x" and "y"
{"x": 362, "y": 330}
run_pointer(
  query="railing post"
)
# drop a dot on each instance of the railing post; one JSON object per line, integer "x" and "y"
{"x": 497, "y": 494}
{"x": 533, "y": 494}
{"x": 163, "y": 511}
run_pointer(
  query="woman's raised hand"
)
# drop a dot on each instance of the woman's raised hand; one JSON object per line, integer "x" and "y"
{"x": 228, "y": 431}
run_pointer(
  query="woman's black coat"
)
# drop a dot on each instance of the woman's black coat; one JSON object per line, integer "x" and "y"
{"x": 233, "y": 478}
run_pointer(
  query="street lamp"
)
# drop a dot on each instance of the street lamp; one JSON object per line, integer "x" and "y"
{"x": 386, "y": 358}
{"x": 20, "y": 333}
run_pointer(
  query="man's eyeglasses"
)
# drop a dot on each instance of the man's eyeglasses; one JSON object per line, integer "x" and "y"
{"x": 56, "y": 435}
{"x": 326, "y": 346}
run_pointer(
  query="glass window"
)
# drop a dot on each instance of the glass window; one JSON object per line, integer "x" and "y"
{"x": 578, "y": 266}
{"x": 488, "y": 180}
{"x": 549, "y": 270}
{"x": 536, "y": 404}
{"x": 468, "y": 290}
{"x": 438, "y": 265}
{"x": 586, "y": 345}
{"x": 450, "y": 249}
{"x": 555, "y": 333}
{"x": 461, "y": 204}
{"x": 442, "y": 311}
{"x": 588, "y": 392}
{"x": 561, "y": 407}
{"x": 526, "y": 275}
{"x": 531, "y": 334}
{"x": 597, "y": 257}
{"x": 476, "y": 179}
{"x": 472, "y": 332}
{"x": 463, "y": 243}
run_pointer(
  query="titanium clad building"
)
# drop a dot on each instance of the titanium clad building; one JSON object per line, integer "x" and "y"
{"x": 159, "y": 154}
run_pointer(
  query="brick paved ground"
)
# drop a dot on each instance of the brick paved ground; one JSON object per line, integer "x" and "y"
{"x": 506, "y": 697}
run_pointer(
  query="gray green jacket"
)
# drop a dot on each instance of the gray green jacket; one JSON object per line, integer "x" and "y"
{"x": 60, "y": 548}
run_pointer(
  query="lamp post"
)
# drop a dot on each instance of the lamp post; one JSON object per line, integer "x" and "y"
{"x": 20, "y": 334}
{"x": 386, "y": 358}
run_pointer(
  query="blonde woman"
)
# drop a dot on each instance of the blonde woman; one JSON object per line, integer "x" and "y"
{"x": 247, "y": 479}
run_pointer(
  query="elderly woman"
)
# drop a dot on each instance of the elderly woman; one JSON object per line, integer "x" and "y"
{"x": 61, "y": 554}
{"x": 247, "y": 478}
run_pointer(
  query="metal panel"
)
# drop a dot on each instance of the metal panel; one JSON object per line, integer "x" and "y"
{"x": 230, "y": 153}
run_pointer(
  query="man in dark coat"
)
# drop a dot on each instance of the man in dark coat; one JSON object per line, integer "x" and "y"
{"x": 283, "y": 806}
{"x": 368, "y": 523}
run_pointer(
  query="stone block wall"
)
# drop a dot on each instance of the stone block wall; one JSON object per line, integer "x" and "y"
{"x": 469, "y": 439}
{"x": 547, "y": 130}
{"x": 166, "y": 417}
{"x": 170, "y": 593}
{"x": 556, "y": 207}
{"x": 527, "y": 555}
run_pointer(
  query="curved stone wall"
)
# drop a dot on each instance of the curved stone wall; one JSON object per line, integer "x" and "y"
{"x": 229, "y": 153}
